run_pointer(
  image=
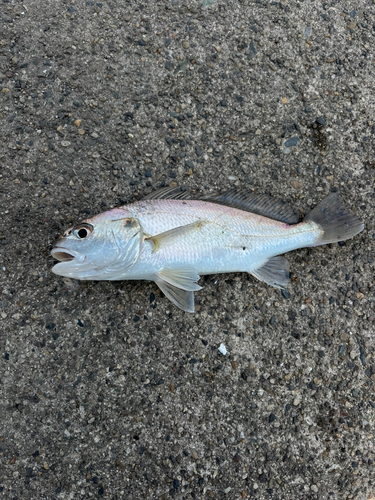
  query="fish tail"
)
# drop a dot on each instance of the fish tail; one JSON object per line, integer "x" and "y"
{"x": 335, "y": 222}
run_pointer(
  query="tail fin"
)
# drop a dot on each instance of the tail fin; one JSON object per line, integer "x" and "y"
{"x": 337, "y": 224}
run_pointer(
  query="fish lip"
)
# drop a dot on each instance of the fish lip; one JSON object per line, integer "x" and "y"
{"x": 65, "y": 255}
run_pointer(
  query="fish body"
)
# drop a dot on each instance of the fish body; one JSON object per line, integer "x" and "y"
{"x": 174, "y": 241}
{"x": 221, "y": 239}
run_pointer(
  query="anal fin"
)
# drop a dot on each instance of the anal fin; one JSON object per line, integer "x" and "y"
{"x": 274, "y": 272}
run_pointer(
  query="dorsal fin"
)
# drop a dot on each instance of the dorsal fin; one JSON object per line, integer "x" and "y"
{"x": 260, "y": 204}
{"x": 168, "y": 193}
{"x": 243, "y": 199}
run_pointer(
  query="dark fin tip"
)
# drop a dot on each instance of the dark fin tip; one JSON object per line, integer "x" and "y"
{"x": 336, "y": 222}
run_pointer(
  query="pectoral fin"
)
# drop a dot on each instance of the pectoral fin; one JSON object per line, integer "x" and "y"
{"x": 167, "y": 238}
{"x": 181, "y": 298}
{"x": 274, "y": 272}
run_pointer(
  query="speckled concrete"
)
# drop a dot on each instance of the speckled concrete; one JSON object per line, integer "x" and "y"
{"x": 106, "y": 389}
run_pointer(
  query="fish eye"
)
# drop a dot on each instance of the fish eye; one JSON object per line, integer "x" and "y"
{"x": 83, "y": 230}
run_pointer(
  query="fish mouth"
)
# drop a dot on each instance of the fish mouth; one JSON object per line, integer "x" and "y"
{"x": 64, "y": 255}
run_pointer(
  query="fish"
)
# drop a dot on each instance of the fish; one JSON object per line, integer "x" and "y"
{"x": 173, "y": 238}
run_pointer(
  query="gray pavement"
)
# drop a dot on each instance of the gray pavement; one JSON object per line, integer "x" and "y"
{"x": 106, "y": 389}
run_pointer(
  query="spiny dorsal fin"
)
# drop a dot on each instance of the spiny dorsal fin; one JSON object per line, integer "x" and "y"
{"x": 168, "y": 193}
{"x": 169, "y": 237}
{"x": 260, "y": 204}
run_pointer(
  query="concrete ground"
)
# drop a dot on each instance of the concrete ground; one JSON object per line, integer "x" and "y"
{"x": 108, "y": 390}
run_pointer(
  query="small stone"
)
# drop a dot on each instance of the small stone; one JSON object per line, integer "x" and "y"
{"x": 352, "y": 25}
{"x": 6, "y": 18}
{"x": 194, "y": 455}
{"x": 307, "y": 32}
{"x": 314, "y": 488}
{"x": 77, "y": 123}
{"x": 224, "y": 103}
{"x": 223, "y": 349}
{"x": 271, "y": 418}
{"x": 59, "y": 128}
{"x": 296, "y": 184}
{"x": 252, "y": 51}
{"x": 185, "y": 45}
{"x": 176, "y": 484}
{"x": 243, "y": 494}
{"x": 284, "y": 100}
{"x": 81, "y": 131}
{"x": 344, "y": 337}
{"x": 291, "y": 142}
{"x": 168, "y": 65}
{"x": 296, "y": 401}
{"x": 95, "y": 135}
{"x": 234, "y": 365}
{"x": 321, "y": 120}
{"x": 65, "y": 144}
{"x": 45, "y": 465}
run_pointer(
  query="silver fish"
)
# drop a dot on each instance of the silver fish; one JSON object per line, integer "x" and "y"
{"x": 173, "y": 240}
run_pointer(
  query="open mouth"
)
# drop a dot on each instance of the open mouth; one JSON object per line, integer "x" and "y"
{"x": 63, "y": 255}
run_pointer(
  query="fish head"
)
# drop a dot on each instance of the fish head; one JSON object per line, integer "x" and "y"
{"x": 101, "y": 248}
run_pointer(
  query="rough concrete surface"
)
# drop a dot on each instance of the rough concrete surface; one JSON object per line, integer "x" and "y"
{"x": 108, "y": 390}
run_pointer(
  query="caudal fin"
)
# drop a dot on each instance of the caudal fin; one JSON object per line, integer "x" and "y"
{"x": 336, "y": 222}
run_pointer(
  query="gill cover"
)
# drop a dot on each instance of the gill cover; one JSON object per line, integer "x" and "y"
{"x": 128, "y": 254}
